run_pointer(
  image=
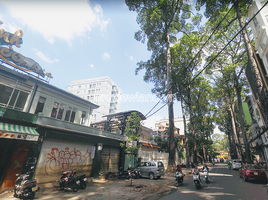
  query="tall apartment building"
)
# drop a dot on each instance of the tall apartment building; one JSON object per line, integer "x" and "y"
{"x": 101, "y": 91}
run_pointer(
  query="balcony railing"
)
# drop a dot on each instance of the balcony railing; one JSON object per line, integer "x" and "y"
{"x": 17, "y": 115}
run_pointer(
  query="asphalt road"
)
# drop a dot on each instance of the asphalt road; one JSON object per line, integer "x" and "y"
{"x": 225, "y": 184}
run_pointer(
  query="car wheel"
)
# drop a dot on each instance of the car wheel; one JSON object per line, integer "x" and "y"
{"x": 151, "y": 175}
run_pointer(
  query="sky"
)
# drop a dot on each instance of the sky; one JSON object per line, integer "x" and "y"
{"x": 79, "y": 39}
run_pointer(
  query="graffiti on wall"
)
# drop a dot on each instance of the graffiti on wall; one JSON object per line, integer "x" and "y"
{"x": 66, "y": 159}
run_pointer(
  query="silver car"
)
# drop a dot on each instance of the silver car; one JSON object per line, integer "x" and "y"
{"x": 236, "y": 164}
{"x": 151, "y": 169}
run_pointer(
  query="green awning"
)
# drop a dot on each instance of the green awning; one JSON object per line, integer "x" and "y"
{"x": 13, "y": 131}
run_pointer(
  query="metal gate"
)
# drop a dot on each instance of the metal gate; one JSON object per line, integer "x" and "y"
{"x": 110, "y": 159}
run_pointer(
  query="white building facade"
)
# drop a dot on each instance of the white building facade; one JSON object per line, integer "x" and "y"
{"x": 101, "y": 91}
{"x": 259, "y": 26}
{"x": 178, "y": 123}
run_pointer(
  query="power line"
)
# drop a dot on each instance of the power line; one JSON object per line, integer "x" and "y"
{"x": 227, "y": 44}
{"x": 158, "y": 110}
{"x": 154, "y": 106}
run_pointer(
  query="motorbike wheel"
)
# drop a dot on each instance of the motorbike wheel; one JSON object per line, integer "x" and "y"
{"x": 197, "y": 186}
{"x": 176, "y": 183}
{"x": 75, "y": 188}
{"x": 207, "y": 181}
{"x": 32, "y": 195}
{"x": 83, "y": 185}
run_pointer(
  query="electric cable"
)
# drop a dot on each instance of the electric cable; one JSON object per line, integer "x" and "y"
{"x": 154, "y": 106}
{"x": 227, "y": 44}
{"x": 158, "y": 109}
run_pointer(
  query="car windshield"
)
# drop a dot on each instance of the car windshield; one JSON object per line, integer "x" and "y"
{"x": 252, "y": 167}
{"x": 237, "y": 161}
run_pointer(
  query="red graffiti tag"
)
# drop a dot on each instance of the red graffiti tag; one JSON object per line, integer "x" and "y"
{"x": 65, "y": 159}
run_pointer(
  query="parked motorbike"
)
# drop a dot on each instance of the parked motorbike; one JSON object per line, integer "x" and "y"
{"x": 136, "y": 173}
{"x": 83, "y": 181}
{"x": 24, "y": 186}
{"x": 81, "y": 178}
{"x": 69, "y": 181}
{"x": 178, "y": 178}
{"x": 123, "y": 173}
{"x": 205, "y": 172}
{"x": 197, "y": 181}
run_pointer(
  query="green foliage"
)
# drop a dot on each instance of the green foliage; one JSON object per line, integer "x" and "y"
{"x": 163, "y": 143}
{"x": 220, "y": 142}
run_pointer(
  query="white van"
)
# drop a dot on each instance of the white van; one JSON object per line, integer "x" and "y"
{"x": 151, "y": 169}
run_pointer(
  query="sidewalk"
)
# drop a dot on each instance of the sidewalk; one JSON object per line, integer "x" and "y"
{"x": 114, "y": 188}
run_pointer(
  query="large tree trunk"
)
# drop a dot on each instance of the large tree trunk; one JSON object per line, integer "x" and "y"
{"x": 229, "y": 144}
{"x": 242, "y": 125}
{"x": 236, "y": 135}
{"x": 254, "y": 68}
{"x": 185, "y": 134}
{"x": 171, "y": 160}
{"x": 192, "y": 127}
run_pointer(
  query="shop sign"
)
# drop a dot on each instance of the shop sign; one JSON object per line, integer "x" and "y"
{"x": 14, "y": 58}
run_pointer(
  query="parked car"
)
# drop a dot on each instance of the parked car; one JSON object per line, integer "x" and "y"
{"x": 151, "y": 169}
{"x": 262, "y": 164}
{"x": 236, "y": 164}
{"x": 252, "y": 172}
{"x": 183, "y": 165}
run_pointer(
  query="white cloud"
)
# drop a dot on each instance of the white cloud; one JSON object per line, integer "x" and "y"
{"x": 58, "y": 19}
{"x": 91, "y": 65}
{"x": 43, "y": 57}
{"x": 106, "y": 56}
{"x": 130, "y": 57}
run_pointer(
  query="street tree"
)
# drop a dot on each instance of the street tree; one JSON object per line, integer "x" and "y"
{"x": 160, "y": 22}
{"x": 185, "y": 65}
{"x": 132, "y": 127}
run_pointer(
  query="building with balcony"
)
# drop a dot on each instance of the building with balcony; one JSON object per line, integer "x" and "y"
{"x": 259, "y": 26}
{"x": 259, "y": 145}
{"x": 101, "y": 91}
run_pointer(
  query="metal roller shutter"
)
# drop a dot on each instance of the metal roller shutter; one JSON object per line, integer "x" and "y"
{"x": 110, "y": 159}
